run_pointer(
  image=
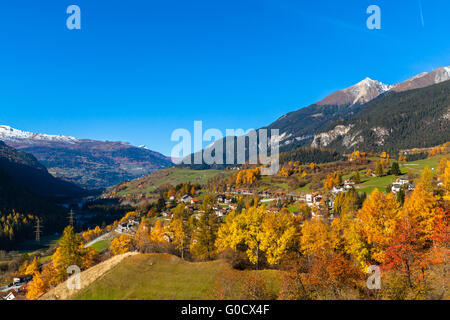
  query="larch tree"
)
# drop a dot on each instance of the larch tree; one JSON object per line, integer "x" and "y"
{"x": 420, "y": 208}
{"x": 375, "y": 225}
{"x": 205, "y": 235}
{"x": 278, "y": 236}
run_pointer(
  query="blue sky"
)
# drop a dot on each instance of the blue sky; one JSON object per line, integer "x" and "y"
{"x": 138, "y": 69}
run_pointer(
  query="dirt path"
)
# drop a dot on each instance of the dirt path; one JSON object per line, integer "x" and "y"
{"x": 61, "y": 292}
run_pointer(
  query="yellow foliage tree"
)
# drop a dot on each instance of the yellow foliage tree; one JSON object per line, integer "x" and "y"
{"x": 121, "y": 245}
{"x": 244, "y": 229}
{"x": 420, "y": 208}
{"x": 374, "y": 227}
{"x": 315, "y": 238}
{"x": 33, "y": 267}
{"x": 278, "y": 235}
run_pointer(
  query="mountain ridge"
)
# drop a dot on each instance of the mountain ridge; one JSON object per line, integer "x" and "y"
{"x": 90, "y": 164}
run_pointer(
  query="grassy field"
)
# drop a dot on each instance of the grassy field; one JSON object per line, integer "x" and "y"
{"x": 419, "y": 165}
{"x": 101, "y": 245}
{"x": 163, "y": 276}
{"x": 171, "y": 176}
{"x": 369, "y": 184}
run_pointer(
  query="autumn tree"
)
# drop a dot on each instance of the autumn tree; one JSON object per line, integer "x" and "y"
{"x": 142, "y": 238}
{"x": 374, "y": 226}
{"x": 357, "y": 177}
{"x": 121, "y": 245}
{"x": 278, "y": 236}
{"x": 181, "y": 227}
{"x": 315, "y": 238}
{"x": 70, "y": 251}
{"x": 379, "y": 169}
{"x": 332, "y": 276}
{"x": 159, "y": 232}
{"x": 42, "y": 282}
{"x": 420, "y": 208}
{"x": 244, "y": 231}
{"x": 406, "y": 256}
{"x": 205, "y": 235}
{"x": 33, "y": 267}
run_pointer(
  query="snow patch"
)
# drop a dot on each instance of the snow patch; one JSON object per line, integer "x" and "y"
{"x": 8, "y": 133}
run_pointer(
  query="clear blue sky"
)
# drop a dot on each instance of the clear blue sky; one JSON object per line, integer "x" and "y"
{"x": 140, "y": 69}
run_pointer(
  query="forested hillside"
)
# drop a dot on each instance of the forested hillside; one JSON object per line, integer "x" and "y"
{"x": 27, "y": 171}
{"x": 395, "y": 121}
{"x": 25, "y": 191}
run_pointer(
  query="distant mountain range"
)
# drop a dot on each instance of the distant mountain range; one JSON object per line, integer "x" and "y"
{"x": 394, "y": 121}
{"x": 370, "y": 115}
{"x": 90, "y": 164}
{"x": 26, "y": 171}
{"x": 298, "y": 128}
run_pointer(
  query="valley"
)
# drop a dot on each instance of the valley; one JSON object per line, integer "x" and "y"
{"x": 139, "y": 227}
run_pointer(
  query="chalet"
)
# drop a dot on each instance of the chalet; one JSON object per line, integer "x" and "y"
{"x": 133, "y": 222}
{"x": 122, "y": 227}
{"x": 349, "y": 184}
{"x": 313, "y": 199}
{"x": 402, "y": 181}
{"x": 186, "y": 199}
{"x": 21, "y": 280}
{"x": 221, "y": 213}
{"x": 338, "y": 189}
{"x": 396, "y": 187}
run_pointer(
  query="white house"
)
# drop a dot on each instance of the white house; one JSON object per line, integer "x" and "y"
{"x": 186, "y": 199}
{"x": 348, "y": 184}
{"x": 338, "y": 189}
{"x": 396, "y": 187}
{"x": 313, "y": 199}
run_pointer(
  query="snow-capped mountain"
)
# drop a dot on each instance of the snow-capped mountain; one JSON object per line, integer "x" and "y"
{"x": 360, "y": 93}
{"x": 88, "y": 163}
{"x": 368, "y": 89}
{"x": 424, "y": 79}
{"x": 299, "y": 127}
{"x": 10, "y": 134}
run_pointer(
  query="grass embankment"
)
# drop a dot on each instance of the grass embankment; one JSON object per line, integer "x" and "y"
{"x": 164, "y": 276}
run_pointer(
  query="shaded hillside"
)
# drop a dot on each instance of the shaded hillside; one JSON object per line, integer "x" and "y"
{"x": 416, "y": 118}
{"x": 93, "y": 164}
{"x": 27, "y": 171}
{"x": 19, "y": 209}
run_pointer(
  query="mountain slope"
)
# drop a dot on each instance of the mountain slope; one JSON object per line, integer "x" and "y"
{"x": 360, "y": 93}
{"x": 25, "y": 191}
{"x": 88, "y": 163}
{"x": 398, "y": 120}
{"x": 423, "y": 80}
{"x": 299, "y": 127}
{"x": 28, "y": 172}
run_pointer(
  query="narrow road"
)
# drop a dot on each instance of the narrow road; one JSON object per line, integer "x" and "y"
{"x": 102, "y": 237}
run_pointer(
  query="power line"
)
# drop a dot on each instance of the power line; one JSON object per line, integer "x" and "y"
{"x": 38, "y": 230}
{"x": 71, "y": 218}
